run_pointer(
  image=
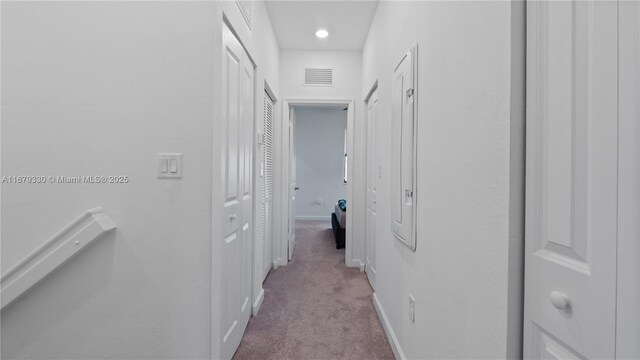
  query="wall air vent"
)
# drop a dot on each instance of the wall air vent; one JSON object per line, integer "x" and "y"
{"x": 246, "y": 8}
{"x": 318, "y": 77}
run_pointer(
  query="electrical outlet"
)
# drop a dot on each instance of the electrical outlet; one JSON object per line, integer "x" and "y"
{"x": 412, "y": 309}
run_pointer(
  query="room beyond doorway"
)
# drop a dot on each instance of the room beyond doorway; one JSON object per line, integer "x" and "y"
{"x": 341, "y": 143}
{"x": 320, "y": 166}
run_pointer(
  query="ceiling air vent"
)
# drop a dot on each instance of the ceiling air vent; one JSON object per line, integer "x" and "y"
{"x": 318, "y": 77}
{"x": 246, "y": 10}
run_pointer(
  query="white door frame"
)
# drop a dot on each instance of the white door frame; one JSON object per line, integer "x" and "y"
{"x": 368, "y": 244}
{"x": 628, "y": 311}
{"x": 281, "y": 217}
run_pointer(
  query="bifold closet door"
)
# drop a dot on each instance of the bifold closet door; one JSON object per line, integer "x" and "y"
{"x": 238, "y": 90}
{"x": 267, "y": 188}
{"x": 571, "y": 187}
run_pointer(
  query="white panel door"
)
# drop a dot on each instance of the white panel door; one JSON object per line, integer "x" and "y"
{"x": 267, "y": 188}
{"x": 571, "y": 207}
{"x": 403, "y": 150}
{"x": 372, "y": 188}
{"x": 247, "y": 131}
{"x": 292, "y": 186}
{"x": 237, "y": 83}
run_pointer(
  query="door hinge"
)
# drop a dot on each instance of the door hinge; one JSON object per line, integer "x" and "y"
{"x": 260, "y": 138}
{"x": 409, "y": 93}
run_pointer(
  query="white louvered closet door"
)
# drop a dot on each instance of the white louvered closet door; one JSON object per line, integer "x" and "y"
{"x": 267, "y": 188}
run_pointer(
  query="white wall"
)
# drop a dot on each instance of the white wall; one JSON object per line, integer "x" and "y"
{"x": 468, "y": 191}
{"x": 346, "y": 73}
{"x": 319, "y": 136}
{"x": 98, "y": 88}
{"x": 347, "y": 67}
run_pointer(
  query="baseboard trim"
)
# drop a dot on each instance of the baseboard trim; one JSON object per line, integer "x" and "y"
{"x": 356, "y": 263}
{"x": 258, "y": 302}
{"x": 279, "y": 262}
{"x": 393, "y": 340}
{"x": 317, "y": 218}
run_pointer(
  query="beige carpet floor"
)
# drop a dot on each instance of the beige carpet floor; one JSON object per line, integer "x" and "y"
{"x": 315, "y": 307}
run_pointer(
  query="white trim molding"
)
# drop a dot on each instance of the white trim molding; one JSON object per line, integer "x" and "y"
{"x": 386, "y": 325}
{"x": 258, "y": 302}
{"x": 54, "y": 253}
{"x": 628, "y": 286}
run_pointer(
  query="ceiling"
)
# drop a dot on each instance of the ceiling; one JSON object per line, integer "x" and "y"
{"x": 296, "y": 22}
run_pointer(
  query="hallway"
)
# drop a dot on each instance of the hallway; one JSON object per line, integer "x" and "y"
{"x": 315, "y": 307}
{"x": 168, "y": 170}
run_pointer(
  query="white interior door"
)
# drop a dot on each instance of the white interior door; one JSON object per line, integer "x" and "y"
{"x": 571, "y": 214}
{"x": 267, "y": 185}
{"x": 372, "y": 179}
{"x": 238, "y": 90}
{"x": 292, "y": 186}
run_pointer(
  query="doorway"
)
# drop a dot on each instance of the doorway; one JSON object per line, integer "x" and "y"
{"x": 290, "y": 184}
{"x": 319, "y": 168}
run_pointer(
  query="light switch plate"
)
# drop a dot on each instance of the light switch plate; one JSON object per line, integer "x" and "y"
{"x": 165, "y": 168}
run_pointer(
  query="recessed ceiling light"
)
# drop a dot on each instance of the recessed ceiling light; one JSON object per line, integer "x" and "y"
{"x": 322, "y": 33}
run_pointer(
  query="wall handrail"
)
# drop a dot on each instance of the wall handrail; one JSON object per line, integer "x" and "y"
{"x": 53, "y": 253}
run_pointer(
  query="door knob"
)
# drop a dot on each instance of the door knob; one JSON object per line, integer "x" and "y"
{"x": 296, "y": 188}
{"x": 559, "y": 300}
{"x": 232, "y": 217}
